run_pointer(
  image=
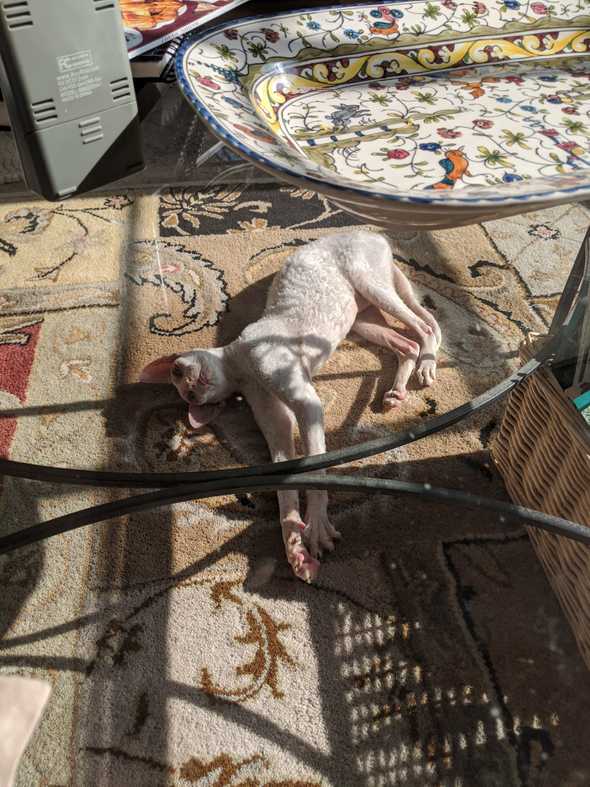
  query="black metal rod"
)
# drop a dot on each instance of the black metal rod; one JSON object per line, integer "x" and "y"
{"x": 151, "y": 500}
{"x": 341, "y": 456}
{"x": 576, "y": 277}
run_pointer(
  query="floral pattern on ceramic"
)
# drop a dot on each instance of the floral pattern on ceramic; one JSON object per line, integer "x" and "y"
{"x": 482, "y": 127}
{"x": 416, "y": 101}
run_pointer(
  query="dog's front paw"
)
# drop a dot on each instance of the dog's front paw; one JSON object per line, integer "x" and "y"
{"x": 393, "y": 398}
{"x": 304, "y": 566}
{"x": 426, "y": 371}
{"x": 319, "y": 534}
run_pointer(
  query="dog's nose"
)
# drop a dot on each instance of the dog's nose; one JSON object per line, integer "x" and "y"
{"x": 190, "y": 396}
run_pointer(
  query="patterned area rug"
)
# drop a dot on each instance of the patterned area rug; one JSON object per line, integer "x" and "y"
{"x": 179, "y": 648}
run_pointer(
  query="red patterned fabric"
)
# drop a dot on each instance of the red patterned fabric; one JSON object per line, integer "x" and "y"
{"x": 16, "y": 362}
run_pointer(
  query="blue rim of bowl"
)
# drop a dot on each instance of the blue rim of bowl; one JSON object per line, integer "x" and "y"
{"x": 316, "y": 184}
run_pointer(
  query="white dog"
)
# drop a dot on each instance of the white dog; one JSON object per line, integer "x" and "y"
{"x": 335, "y": 285}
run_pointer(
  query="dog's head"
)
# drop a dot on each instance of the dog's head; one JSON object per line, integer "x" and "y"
{"x": 198, "y": 376}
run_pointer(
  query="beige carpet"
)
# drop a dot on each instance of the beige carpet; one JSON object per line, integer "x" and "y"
{"x": 179, "y": 648}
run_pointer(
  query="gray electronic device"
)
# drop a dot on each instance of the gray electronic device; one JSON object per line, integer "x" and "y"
{"x": 67, "y": 82}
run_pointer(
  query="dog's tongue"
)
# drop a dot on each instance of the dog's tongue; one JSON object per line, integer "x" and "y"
{"x": 199, "y": 415}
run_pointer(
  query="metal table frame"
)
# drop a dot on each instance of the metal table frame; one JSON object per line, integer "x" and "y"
{"x": 299, "y": 473}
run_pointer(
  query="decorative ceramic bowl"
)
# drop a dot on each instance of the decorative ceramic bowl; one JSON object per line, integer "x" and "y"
{"x": 421, "y": 113}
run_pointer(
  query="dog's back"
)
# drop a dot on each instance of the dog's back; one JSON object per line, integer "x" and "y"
{"x": 315, "y": 288}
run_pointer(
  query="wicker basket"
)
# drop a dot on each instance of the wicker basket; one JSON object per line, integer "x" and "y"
{"x": 544, "y": 458}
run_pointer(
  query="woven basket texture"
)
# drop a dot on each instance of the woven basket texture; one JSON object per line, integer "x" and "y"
{"x": 544, "y": 458}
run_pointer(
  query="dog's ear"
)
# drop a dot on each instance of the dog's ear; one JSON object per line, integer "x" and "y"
{"x": 199, "y": 415}
{"x": 158, "y": 371}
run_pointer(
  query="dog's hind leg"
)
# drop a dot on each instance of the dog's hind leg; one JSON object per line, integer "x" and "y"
{"x": 371, "y": 325}
{"x": 387, "y": 299}
{"x": 406, "y": 293}
{"x": 426, "y": 368}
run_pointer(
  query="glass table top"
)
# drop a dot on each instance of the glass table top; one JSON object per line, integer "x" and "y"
{"x": 432, "y": 649}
